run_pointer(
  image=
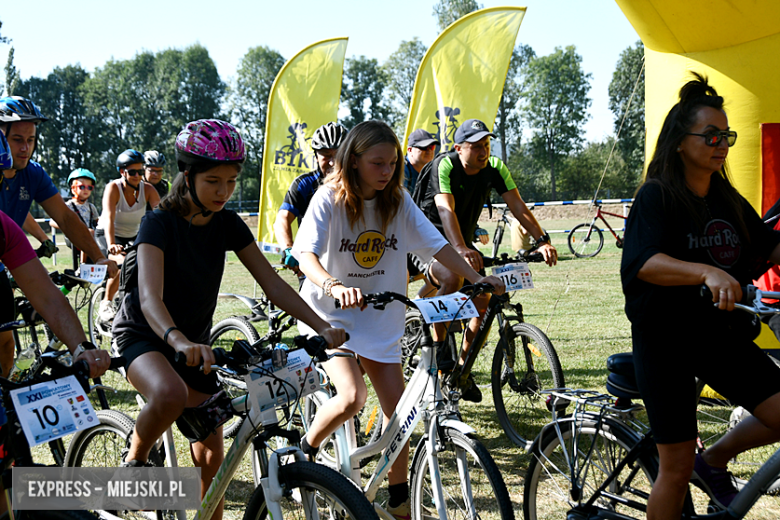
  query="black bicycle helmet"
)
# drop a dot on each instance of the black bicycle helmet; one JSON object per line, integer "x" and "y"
{"x": 154, "y": 159}
{"x": 16, "y": 108}
{"x": 330, "y": 135}
{"x": 127, "y": 158}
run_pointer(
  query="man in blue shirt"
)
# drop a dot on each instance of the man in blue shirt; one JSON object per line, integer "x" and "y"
{"x": 24, "y": 182}
{"x": 419, "y": 152}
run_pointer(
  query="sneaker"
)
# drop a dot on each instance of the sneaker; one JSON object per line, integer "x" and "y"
{"x": 402, "y": 511}
{"x": 136, "y": 464}
{"x": 106, "y": 312}
{"x": 716, "y": 482}
{"x": 470, "y": 391}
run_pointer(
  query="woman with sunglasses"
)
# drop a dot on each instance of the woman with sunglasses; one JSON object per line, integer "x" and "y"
{"x": 124, "y": 205}
{"x": 690, "y": 227}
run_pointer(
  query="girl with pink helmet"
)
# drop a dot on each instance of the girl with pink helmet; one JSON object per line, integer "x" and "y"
{"x": 181, "y": 257}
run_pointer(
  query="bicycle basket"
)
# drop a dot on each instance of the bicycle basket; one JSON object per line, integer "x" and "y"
{"x": 201, "y": 421}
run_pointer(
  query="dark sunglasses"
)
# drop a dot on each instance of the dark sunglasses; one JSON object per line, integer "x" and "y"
{"x": 133, "y": 173}
{"x": 714, "y": 138}
{"x": 85, "y": 187}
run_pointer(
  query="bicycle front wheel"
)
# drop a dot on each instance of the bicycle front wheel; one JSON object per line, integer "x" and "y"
{"x": 223, "y": 334}
{"x": 585, "y": 240}
{"x": 410, "y": 342}
{"x": 524, "y": 364}
{"x": 101, "y": 446}
{"x": 331, "y": 494}
{"x": 569, "y": 463}
{"x": 99, "y": 331}
{"x": 471, "y": 482}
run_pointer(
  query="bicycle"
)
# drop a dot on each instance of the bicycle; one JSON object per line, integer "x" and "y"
{"x": 586, "y": 240}
{"x": 287, "y": 480}
{"x": 452, "y": 473}
{"x": 14, "y": 439}
{"x": 601, "y": 461}
{"x": 524, "y": 361}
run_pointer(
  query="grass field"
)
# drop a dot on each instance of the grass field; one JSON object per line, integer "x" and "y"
{"x": 578, "y": 304}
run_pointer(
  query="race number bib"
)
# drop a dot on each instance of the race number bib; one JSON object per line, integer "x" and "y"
{"x": 53, "y": 409}
{"x": 515, "y": 276}
{"x": 446, "y": 308}
{"x": 271, "y": 387}
{"x": 92, "y": 273}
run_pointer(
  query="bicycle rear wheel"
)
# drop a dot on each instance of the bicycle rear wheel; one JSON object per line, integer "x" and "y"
{"x": 585, "y": 240}
{"x": 223, "y": 335}
{"x": 570, "y": 461}
{"x": 471, "y": 482}
{"x": 331, "y": 493}
{"x": 524, "y": 364}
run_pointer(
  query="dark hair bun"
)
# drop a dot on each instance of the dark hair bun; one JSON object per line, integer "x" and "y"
{"x": 697, "y": 92}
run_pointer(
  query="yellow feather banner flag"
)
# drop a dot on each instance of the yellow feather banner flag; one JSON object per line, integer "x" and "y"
{"x": 463, "y": 73}
{"x": 304, "y": 96}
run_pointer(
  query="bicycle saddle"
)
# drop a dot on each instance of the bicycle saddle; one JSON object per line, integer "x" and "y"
{"x": 621, "y": 381}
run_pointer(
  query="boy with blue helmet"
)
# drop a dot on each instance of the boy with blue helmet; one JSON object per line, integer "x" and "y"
{"x": 82, "y": 183}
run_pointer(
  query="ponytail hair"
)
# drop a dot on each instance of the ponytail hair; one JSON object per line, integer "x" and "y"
{"x": 667, "y": 169}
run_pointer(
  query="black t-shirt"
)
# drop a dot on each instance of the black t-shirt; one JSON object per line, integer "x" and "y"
{"x": 655, "y": 225}
{"x": 194, "y": 262}
{"x": 471, "y": 192}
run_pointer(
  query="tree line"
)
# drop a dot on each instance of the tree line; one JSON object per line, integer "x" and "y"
{"x": 143, "y": 102}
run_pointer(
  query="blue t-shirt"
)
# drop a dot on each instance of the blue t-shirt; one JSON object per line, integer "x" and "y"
{"x": 17, "y": 194}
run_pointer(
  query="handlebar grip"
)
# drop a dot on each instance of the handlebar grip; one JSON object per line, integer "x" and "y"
{"x": 315, "y": 346}
{"x": 180, "y": 359}
{"x": 705, "y": 292}
{"x": 117, "y": 363}
{"x": 221, "y": 357}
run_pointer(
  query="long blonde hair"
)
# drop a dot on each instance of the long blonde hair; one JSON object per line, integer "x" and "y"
{"x": 344, "y": 180}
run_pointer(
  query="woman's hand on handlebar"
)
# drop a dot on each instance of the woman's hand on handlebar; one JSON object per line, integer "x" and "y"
{"x": 196, "y": 354}
{"x": 334, "y": 336}
{"x": 495, "y": 281}
{"x": 348, "y": 296}
{"x": 726, "y": 291}
{"x": 98, "y": 361}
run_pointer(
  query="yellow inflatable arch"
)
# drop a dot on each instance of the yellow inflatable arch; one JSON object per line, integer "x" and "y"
{"x": 737, "y": 45}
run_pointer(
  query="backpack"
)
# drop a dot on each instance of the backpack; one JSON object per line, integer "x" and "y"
{"x": 420, "y": 194}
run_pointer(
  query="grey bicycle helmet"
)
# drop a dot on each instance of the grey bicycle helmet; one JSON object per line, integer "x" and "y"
{"x": 127, "y": 158}
{"x": 154, "y": 159}
{"x": 330, "y": 135}
{"x": 16, "y": 108}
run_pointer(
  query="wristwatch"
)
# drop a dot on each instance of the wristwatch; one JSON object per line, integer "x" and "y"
{"x": 83, "y": 347}
{"x": 544, "y": 239}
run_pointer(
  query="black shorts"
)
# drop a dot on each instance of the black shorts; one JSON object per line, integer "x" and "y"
{"x": 667, "y": 361}
{"x": 131, "y": 346}
{"x": 100, "y": 238}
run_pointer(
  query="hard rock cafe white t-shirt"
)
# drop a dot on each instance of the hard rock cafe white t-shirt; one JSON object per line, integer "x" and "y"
{"x": 367, "y": 258}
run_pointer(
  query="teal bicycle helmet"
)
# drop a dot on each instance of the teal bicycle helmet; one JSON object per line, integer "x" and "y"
{"x": 80, "y": 173}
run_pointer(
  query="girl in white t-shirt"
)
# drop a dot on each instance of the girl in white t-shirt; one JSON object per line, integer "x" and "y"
{"x": 354, "y": 239}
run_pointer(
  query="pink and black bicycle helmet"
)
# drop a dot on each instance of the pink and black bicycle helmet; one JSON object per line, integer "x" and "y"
{"x": 207, "y": 142}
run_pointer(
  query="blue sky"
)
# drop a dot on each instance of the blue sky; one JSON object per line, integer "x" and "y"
{"x": 54, "y": 33}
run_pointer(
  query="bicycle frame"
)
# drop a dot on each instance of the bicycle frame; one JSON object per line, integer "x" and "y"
{"x": 422, "y": 400}
{"x": 600, "y": 214}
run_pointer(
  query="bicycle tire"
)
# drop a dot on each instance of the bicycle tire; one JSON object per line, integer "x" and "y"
{"x": 99, "y": 332}
{"x": 583, "y": 243}
{"x": 50, "y": 515}
{"x": 336, "y": 496}
{"x": 223, "y": 334}
{"x": 481, "y": 477}
{"x": 715, "y": 418}
{"x": 103, "y": 444}
{"x": 521, "y": 409}
{"x": 410, "y": 342}
{"x": 548, "y": 492}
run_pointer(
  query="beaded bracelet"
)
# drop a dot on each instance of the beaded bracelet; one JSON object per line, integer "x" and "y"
{"x": 328, "y": 285}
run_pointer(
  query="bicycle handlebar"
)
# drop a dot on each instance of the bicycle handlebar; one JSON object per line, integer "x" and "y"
{"x": 523, "y": 255}
{"x": 80, "y": 369}
{"x": 751, "y": 300}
